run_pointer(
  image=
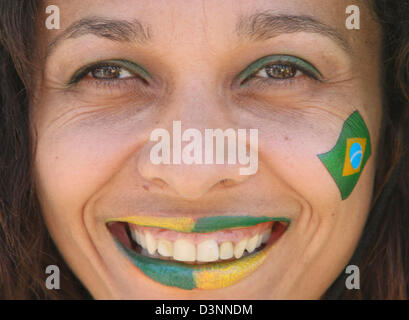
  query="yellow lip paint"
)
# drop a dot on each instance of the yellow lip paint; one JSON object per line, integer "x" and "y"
{"x": 182, "y": 224}
{"x": 214, "y": 275}
{"x": 188, "y": 277}
{"x": 200, "y": 225}
{"x": 223, "y": 274}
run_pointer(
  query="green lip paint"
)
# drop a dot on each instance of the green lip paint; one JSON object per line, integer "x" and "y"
{"x": 204, "y": 224}
{"x": 346, "y": 161}
{"x": 169, "y": 273}
{"x": 209, "y": 224}
{"x": 188, "y": 277}
{"x": 201, "y": 276}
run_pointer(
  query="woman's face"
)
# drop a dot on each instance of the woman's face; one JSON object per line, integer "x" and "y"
{"x": 117, "y": 70}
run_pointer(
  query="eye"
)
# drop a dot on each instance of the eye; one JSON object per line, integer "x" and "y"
{"x": 108, "y": 72}
{"x": 279, "y": 68}
{"x": 112, "y": 70}
{"x": 279, "y": 71}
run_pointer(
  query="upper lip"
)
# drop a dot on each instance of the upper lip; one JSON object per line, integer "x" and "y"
{"x": 197, "y": 224}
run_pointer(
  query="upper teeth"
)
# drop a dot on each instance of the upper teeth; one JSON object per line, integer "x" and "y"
{"x": 205, "y": 251}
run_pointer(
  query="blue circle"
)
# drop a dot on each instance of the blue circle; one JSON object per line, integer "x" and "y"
{"x": 355, "y": 155}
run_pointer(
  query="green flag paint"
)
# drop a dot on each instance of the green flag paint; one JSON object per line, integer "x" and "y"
{"x": 347, "y": 159}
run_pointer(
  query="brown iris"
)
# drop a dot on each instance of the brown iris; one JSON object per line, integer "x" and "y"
{"x": 281, "y": 71}
{"x": 106, "y": 72}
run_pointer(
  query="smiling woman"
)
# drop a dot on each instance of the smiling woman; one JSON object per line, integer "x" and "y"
{"x": 328, "y": 108}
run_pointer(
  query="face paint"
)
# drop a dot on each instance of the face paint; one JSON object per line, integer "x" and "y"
{"x": 211, "y": 275}
{"x": 204, "y": 224}
{"x": 347, "y": 159}
{"x": 188, "y": 277}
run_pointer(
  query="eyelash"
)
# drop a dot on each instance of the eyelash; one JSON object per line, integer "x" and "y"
{"x": 262, "y": 82}
{"x": 267, "y": 82}
{"x": 113, "y": 83}
{"x": 258, "y": 81}
{"x": 300, "y": 66}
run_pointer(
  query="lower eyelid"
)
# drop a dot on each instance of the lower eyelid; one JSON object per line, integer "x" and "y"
{"x": 133, "y": 83}
{"x": 267, "y": 83}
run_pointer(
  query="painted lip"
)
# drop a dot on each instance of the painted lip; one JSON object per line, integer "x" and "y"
{"x": 213, "y": 275}
{"x": 198, "y": 225}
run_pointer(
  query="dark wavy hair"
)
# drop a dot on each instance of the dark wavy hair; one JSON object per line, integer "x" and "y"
{"x": 26, "y": 247}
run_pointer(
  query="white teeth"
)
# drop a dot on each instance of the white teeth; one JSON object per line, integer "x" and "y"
{"x": 165, "y": 248}
{"x": 151, "y": 243}
{"x": 266, "y": 236}
{"x": 142, "y": 240}
{"x": 184, "y": 250}
{"x": 137, "y": 237}
{"x": 207, "y": 251}
{"x": 259, "y": 238}
{"x": 226, "y": 250}
{"x": 252, "y": 243}
{"x": 134, "y": 235}
{"x": 239, "y": 248}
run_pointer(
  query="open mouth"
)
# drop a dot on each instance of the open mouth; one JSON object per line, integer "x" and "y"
{"x": 205, "y": 253}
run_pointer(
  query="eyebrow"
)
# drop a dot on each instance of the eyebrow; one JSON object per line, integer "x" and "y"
{"x": 112, "y": 29}
{"x": 265, "y": 25}
{"x": 259, "y": 26}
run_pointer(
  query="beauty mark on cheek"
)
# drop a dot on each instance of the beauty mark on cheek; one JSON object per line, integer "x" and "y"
{"x": 346, "y": 161}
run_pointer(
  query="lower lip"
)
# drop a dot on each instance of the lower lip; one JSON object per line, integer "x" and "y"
{"x": 212, "y": 276}
{"x": 204, "y": 276}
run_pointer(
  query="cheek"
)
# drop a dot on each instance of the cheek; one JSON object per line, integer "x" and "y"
{"x": 79, "y": 148}
{"x": 290, "y": 148}
{"x": 313, "y": 159}
{"x": 328, "y": 228}
{"x": 73, "y": 164}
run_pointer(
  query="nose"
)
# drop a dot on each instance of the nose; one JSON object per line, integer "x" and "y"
{"x": 195, "y": 149}
{"x": 189, "y": 181}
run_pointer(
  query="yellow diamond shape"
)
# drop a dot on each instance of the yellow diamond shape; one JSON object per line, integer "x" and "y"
{"x": 348, "y": 169}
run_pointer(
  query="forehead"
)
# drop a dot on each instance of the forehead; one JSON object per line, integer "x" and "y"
{"x": 216, "y": 22}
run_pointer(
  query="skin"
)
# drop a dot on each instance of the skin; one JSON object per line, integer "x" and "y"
{"x": 92, "y": 156}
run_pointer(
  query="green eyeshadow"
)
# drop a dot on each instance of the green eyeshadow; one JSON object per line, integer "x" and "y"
{"x": 301, "y": 64}
{"x": 133, "y": 67}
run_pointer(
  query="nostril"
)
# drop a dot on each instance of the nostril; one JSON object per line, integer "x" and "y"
{"x": 159, "y": 182}
{"x": 227, "y": 182}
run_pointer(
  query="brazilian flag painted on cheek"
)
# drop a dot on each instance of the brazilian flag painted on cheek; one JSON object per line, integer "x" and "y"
{"x": 347, "y": 159}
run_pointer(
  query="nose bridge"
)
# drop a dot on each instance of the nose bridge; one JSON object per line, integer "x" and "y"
{"x": 185, "y": 154}
{"x": 196, "y": 98}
